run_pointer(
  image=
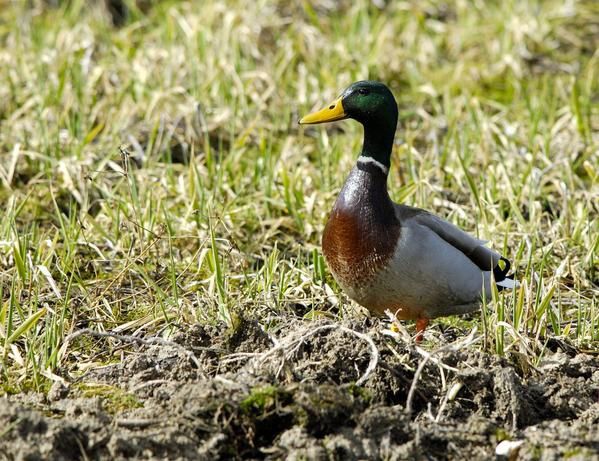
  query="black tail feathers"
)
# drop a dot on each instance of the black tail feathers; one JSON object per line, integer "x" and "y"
{"x": 501, "y": 277}
{"x": 501, "y": 273}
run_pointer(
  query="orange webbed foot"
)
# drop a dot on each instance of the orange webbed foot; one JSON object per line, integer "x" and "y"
{"x": 421, "y": 325}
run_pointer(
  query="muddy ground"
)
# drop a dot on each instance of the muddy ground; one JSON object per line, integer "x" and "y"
{"x": 291, "y": 394}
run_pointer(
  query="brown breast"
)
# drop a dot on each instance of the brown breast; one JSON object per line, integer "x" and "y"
{"x": 362, "y": 231}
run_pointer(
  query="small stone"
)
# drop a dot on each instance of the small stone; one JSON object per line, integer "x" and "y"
{"x": 507, "y": 450}
{"x": 57, "y": 391}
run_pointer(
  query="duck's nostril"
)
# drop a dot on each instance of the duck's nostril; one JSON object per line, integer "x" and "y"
{"x": 332, "y": 106}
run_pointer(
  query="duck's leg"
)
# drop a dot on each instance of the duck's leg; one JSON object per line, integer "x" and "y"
{"x": 421, "y": 325}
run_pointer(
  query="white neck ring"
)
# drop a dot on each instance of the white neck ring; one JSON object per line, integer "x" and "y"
{"x": 363, "y": 159}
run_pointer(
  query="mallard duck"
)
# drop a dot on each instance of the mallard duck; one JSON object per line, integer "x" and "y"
{"x": 388, "y": 256}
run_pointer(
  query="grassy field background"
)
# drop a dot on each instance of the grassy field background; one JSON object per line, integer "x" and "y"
{"x": 154, "y": 176}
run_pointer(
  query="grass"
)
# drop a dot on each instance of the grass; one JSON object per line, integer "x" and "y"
{"x": 154, "y": 175}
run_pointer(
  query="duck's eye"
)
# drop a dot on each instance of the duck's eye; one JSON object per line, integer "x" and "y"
{"x": 363, "y": 91}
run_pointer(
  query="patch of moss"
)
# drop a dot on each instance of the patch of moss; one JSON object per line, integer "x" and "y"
{"x": 115, "y": 400}
{"x": 10, "y": 385}
{"x": 260, "y": 399}
{"x": 501, "y": 435}
{"x": 575, "y": 452}
{"x": 536, "y": 452}
{"x": 360, "y": 393}
{"x": 9, "y": 389}
{"x": 265, "y": 413}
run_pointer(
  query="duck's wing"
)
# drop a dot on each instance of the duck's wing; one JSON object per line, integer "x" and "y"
{"x": 475, "y": 249}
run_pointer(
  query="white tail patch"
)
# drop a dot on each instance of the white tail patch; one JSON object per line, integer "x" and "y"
{"x": 364, "y": 159}
{"x": 508, "y": 283}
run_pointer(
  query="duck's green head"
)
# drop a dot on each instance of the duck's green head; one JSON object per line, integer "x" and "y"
{"x": 373, "y": 105}
{"x": 370, "y": 103}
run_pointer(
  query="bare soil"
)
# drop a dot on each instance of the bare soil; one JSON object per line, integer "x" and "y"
{"x": 291, "y": 393}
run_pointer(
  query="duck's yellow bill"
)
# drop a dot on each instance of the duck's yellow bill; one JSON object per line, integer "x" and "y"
{"x": 332, "y": 112}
